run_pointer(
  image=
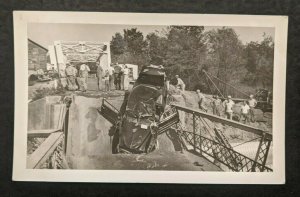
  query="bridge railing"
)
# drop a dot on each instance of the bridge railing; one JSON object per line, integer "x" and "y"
{"x": 207, "y": 135}
{"x": 47, "y": 150}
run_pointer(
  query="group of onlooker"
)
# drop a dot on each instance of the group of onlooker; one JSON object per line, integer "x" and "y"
{"x": 247, "y": 108}
{"x": 110, "y": 78}
{"x": 81, "y": 75}
{"x": 115, "y": 77}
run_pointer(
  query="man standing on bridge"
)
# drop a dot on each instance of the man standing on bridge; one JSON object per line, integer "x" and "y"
{"x": 100, "y": 76}
{"x": 83, "y": 75}
{"x": 117, "y": 76}
{"x": 180, "y": 83}
{"x": 71, "y": 74}
{"x": 201, "y": 101}
{"x": 125, "y": 77}
{"x": 216, "y": 105}
{"x": 228, "y": 104}
{"x": 245, "y": 112}
{"x": 106, "y": 80}
{"x": 111, "y": 77}
{"x": 252, "y": 104}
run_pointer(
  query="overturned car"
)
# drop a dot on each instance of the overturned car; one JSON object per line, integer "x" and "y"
{"x": 142, "y": 117}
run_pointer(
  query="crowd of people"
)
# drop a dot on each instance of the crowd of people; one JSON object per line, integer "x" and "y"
{"x": 247, "y": 109}
{"x": 114, "y": 77}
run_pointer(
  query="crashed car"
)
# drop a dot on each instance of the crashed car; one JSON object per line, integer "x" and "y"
{"x": 142, "y": 116}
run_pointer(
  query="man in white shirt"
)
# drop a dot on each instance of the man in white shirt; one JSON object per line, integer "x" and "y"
{"x": 228, "y": 104}
{"x": 180, "y": 83}
{"x": 252, "y": 104}
{"x": 126, "y": 80}
{"x": 100, "y": 74}
{"x": 83, "y": 75}
{"x": 111, "y": 77}
{"x": 245, "y": 112}
{"x": 106, "y": 80}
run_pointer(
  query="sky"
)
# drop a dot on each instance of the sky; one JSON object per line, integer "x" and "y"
{"x": 46, "y": 33}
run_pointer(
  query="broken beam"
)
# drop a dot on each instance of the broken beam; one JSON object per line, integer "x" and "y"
{"x": 43, "y": 152}
{"x": 41, "y": 133}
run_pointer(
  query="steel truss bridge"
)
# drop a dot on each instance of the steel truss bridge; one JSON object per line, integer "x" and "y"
{"x": 83, "y": 51}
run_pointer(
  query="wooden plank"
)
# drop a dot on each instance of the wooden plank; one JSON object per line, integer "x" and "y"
{"x": 225, "y": 121}
{"x": 41, "y": 133}
{"x": 39, "y": 156}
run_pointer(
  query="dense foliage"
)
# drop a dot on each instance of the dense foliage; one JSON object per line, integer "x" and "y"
{"x": 186, "y": 50}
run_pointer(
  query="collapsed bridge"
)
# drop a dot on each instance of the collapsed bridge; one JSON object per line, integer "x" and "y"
{"x": 76, "y": 136}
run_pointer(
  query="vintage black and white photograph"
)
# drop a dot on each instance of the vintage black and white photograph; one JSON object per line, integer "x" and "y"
{"x": 150, "y": 97}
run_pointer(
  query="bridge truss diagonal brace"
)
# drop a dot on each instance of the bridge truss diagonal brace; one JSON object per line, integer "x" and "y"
{"x": 262, "y": 152}
{"x": 219, "y": 151}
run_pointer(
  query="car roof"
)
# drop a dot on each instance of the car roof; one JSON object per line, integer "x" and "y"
{"x": 153, "y": 70}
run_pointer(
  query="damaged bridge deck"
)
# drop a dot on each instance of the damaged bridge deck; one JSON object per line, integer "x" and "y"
{"x": 89, "y": 147}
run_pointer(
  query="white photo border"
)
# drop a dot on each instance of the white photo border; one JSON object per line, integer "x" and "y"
{"x": 21, "y": 173}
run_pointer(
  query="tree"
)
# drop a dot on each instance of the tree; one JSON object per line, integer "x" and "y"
{"x": 117, "y": 44}
{"x": 129, "y": 48}
{"x": 259, "y": 56}
{"x": 225, "y": 52}
{"x": 185, "y": 52}
{"x": 135, "y": 41}
{"x": 156, "y": 48}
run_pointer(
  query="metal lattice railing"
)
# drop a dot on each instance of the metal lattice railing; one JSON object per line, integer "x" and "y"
{"x": 227, "y": 156}
{"x": 201, "y": 131}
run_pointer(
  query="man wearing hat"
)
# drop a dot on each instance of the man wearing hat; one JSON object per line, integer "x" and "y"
{"x": 71, "y": 74}
{"x": 252, "y": 104}
{"x": 228, "y": 104}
